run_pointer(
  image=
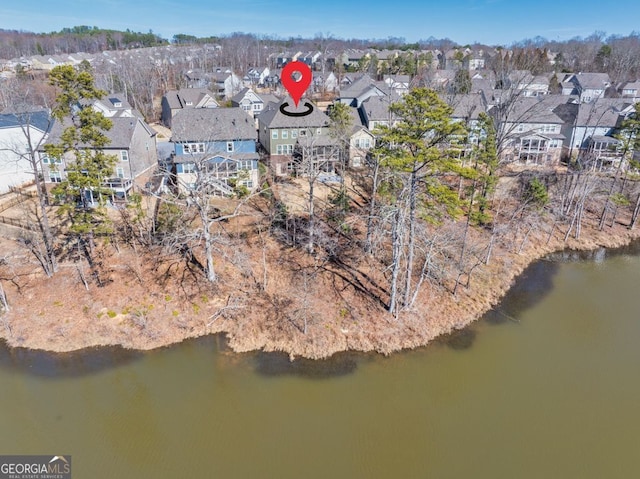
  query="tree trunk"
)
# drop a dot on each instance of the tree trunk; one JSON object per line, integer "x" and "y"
{"x": 368, "y": 245}
{"x": 413, "y": 194}
{"x": 396, "y": 243}
{"x": 636, "y": 212}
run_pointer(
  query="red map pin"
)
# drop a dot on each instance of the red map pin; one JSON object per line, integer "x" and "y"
{"x": 296, "y": 88}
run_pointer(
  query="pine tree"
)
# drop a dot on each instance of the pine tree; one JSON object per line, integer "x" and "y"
{"x": 82, "y": 143}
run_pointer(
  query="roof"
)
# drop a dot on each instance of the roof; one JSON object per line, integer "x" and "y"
{"x": 178, "y": 99}
{"x": 534, "y": 110}
{"x": 212, "y": 124}
{"x": 272, "y": 117}
{"x": 38, "y": 119}
{"x": 377, "y": 107}
{"x": 604, "y": 112}
{"x": 594, "y": 81}
{"x": 119, "y": 135}
{"x": 468, "y": 106}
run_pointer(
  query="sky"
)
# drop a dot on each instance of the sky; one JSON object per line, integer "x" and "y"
{"x": 493, "y": 22}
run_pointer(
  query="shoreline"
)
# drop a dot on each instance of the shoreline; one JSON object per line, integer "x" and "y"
{"x": 411, "y": 331}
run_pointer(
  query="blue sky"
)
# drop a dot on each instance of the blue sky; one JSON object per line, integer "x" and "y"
{"x": 499, "y": 22}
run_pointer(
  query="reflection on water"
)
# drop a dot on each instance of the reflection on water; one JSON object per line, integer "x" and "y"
{"x": 279, "y": 364}
{"x": 57, "y": 365}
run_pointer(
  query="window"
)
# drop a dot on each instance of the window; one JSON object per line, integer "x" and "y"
{"x": 193, "y": 148}
{"x": 318, "y": 131}
{"x": 188, "y": 168}
{"x": 257, "y": 106}
{"x": 120, "y": 172}
{"x": 274, "y": 134}
{"x": 124, "y": 155}
{"x": 246, "y": 107}
{"x": 285, "y": 134}
{"x": 229, "y": 146}
{"x": 294, "y": 134}
{"x": 284, "y": 149}
{"x": 357, "y": 161}
{"x": 45, "y": 159}
{"x": 55, "y": 177}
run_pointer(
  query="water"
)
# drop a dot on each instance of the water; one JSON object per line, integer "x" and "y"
{"x": 546, "y": 386}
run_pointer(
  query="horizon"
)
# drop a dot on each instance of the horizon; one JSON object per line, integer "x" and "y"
{"x": 487, "y": 22}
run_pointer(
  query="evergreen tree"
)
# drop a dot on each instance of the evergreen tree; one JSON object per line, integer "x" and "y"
{"x": 82, "y": 143}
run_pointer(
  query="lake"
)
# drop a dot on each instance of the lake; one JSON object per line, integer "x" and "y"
{"x": 546, "y": 385}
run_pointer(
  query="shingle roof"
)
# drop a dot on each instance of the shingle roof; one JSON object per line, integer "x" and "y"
{"x": 593, "y": 80}
{"x": 39, "y": 119}
{"x": 212, "y": 124}
{"x": 272, "y": 117}
{"x": 119, "y": 135}
{"x": 468, "y": 106}
{"x": 602, "y": 112}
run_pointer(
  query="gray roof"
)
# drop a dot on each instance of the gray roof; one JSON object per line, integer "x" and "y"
{"x": 178, "y": 99}
{"x": 212, "y": 124}
{"x": 38, "y": 119}
{"x": 377, "y": 107}
{"x": 119, "y": 135}
{"x": 238, "y": 97}
{"x": 357, "y": 88}
{"x": 468, "y": 106}
{"x": 605, "y": 112}
{"x": 272, "y": 117}
{"x": 534, "y": 110}
{"x": 593, "y": 80}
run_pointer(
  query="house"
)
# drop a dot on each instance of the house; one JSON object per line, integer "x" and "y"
{"x": 375, "y": 111}
{"x": 131, "y": 141}
{"x": 630, "y": 90}
{"x": 325, "y": 82}
{"x": 278, "y": 133}
{"x": 220, "y": 143}
{"x": 176, "y": 100}
{"x": 529, "y": 85}
{"x": 361, "y": 140}
{"x": 256, "y": 77}
{"x": 467, "y": 109}
{"x": 590, "y": 86}
{"x": 594, "y": 126}
{"x": 357, "y": 92}
{"x": 20, "y": 134}
{"x": 532, "y": 132}
{"x": 225, "y": 84}
{"x": 397, "y": 83}
{"x": 250, "y": 101}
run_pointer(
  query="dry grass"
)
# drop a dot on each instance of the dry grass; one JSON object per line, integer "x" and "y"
{"x": 270, "y": 297}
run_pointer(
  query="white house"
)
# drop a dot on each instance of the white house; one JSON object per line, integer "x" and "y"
{"x": 20, "y": 133}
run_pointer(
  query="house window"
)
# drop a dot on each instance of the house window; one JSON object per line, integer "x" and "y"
{"x": 274, "y": 134}
{"x": 257, "y": 106}
{"x": 193, "y": 148}
{"x": 120, "y": 172}
{"x": 284, "y": 149}
{"x": 294, "y": 134}
{"x": 246, "y": 107}
{"x": 45, "y": 159}
{"x": 318, "y": 131}
{"x": 357, "y": 161}
{"x": 124, "y": 155}
{"x": 285, "y": 134}
{"x": 188, "y": 168}
{"x": 229, "y": 146}
{"x": 55, "y": 177}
